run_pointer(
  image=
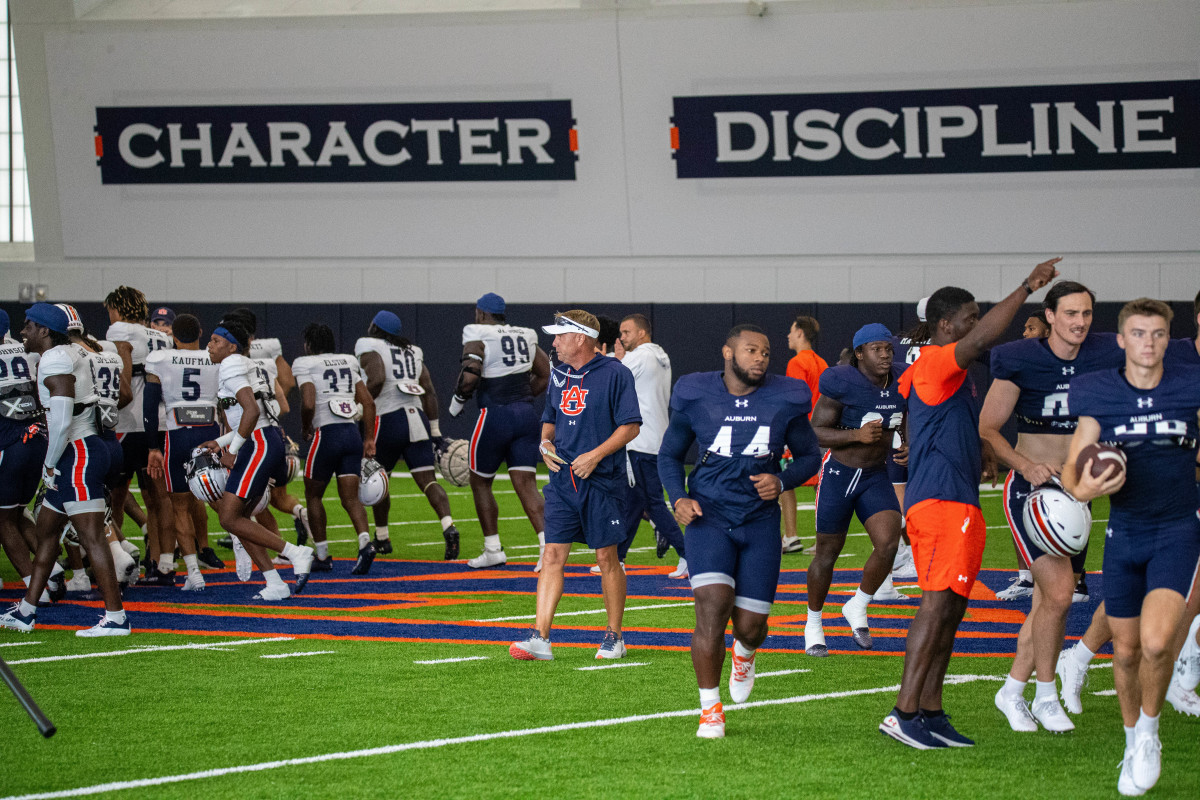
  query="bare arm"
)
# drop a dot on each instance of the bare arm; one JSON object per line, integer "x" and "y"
{"x": 539, "y": 375}
{"x": 125, "y": 351}
{"x": 363, "y": 397}
{"x": 372, "y": 364}
{"x": 585, "y": 464}
{"x": 286, "y": 380}
{"x": 429, "y": 400}
{"x": 993, "y": 323}
{"x": 998, "y": 406}
{"x": 824, "y": 423}
{"x": 308, "y": 409}
{"x": 1087, "y": 487}
{"x": 547, "y": 446}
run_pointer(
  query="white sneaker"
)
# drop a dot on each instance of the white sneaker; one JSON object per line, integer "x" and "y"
{"x": 194, "y": 583}
{"x": 242, "y": 561}
{"x": 595, "y": 570}
{"x": 280, "y": 561}
{"x": 681, "y": 571}
{"x": 611, "y": 646}
{"x": 125, "y": 564}
{"x": 1146, "y": 761}
{"x": 1185, "y": 701}
{"x": 712, "y": 723}
{"x": 905, "y": 572}
{"x": 814, "y": 640}
{"x": 1014, "y": 707}
{"x": 741, "y": 677}
{"x": 1125, "y": 784}
{"x": 532, "y": 648}
{"x": 888, "y": 593}
{"x": 130, "y": 548}
{"x": 488, "y": 558}
{"x": 273, "y": 593}
{"x": 79, "y": 582}
{"x": 1074, "y": 678}
{"x": 1018, "y": 590}
{"x": 105, "y": 627}
{"x": 855, "y": 613}
{"x": 1049, "y": 712}
{"x": 792, "y": 544}
{"x": 302, "y": 562}
{"x": 1189, "y": 658}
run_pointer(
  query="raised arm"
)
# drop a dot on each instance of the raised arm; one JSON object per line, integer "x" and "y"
{"x": 993, "y": 323}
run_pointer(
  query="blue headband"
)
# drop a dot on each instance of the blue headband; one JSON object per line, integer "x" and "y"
{"x": 226, "y": 335}
{"x": 875, "y": 332}
{"x": 49, "y": 316}
{"x": 387, "y": 322}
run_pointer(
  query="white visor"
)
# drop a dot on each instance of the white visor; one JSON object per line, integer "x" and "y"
{"x": 567, "y": 325}
{"x": 924, "y": 301}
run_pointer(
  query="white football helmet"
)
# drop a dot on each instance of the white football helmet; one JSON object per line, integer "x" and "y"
{"x": 206, "y": 476}
{"x": 1056, "y": 522}
{"x": 265, "y": 500}
{"x": 373, "y": 485}
{"x": 453, "y": 464}
{"x": 295, "y": 468}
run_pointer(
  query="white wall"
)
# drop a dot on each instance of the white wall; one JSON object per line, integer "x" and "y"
{"x": 626, "y": 229}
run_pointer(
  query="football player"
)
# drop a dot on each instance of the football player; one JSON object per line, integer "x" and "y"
{"x": 808, "y": 367}
{"x": 591, "y": 414}
{"x": 332, "y": 398}
{"x": 504, "y": 370}
{"x": 244, "y": 394}
{"x": 741, "y": 418}
{"x": 1152, "y": 551}
{"x": 73, "y": 471}
{"x": 945, "y": 522}
{"x": 858, "y": 412}
{"x": 183, "y": 380}
{"x": 907, "y": 347}
{"x": 406, "y": 408}
{"x": 1031, "y": 378}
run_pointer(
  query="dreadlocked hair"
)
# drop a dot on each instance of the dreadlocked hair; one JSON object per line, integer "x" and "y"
{"x": 319, "y": 338}
{"x": 130, "y": 303}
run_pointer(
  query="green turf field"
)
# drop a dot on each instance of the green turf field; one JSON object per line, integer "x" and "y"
{"x": 227, "y": 718}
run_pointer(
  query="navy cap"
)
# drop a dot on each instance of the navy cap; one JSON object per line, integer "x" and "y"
{"x": 49, "y": 316}
{"x": 4, "y": 323}
{"x": 491, "y": 303}
{"x": 167, "y": 315}
{"x": 387, "y": 322}
{"x": 875, "y": 332}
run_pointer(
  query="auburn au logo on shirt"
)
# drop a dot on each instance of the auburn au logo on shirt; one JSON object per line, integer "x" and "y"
{"x": 573, "y": 401}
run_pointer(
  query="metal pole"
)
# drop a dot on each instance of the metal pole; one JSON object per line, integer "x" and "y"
{"x": 31, "y": 708}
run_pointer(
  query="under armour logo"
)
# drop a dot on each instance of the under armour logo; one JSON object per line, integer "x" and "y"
{"x": 1108, "y": 533}
{"x": 966, "y": 523}
{"x": 835, "y": 471}
{"x": 1019, "y": 495}
{"x": 1145, "y": 402}
{"x": 962, "y": 578}
{"x": 1068, "y": 370}
{"x": 614, "y": 522}
{"x": 885, "y": 394}
{"x": 741, "y": 403}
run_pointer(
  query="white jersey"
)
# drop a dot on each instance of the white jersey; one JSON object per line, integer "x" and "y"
{"x": 238, "y": 372}
{"x": 334, "y": 376}
{"x": 264, "y": 352}
{"x": 71, "y": 359}
{"x": 401, "y": 373}
{"x": 189, "y": 386}
{"x": 142, "y": 340}
{"x": 106, "y": 375}
{"x": 507, "y": 349}
{"x": 651, "y": 368}
{"x": 18, "y": 373}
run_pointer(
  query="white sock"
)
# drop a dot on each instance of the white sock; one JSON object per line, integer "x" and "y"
{"x": 322, "y": 550}
{"x": 1014, "y": 687}
{"x": 290, "y": 551}
{"x": 740, "y": 650}
{"x": 541, "y": 538}
{"x": 273, "y": 579}
{"x": 146, "y": 529}
{"x": 193, "y": 564}
{"x": 381, "y": 533}
{"x": 446, "y": 521}
{"x": 814, "y": 632}
{"x": 27, "y": 579}
{"x": 1082, "y": 655}
{"x": 901, "y": 549}
{"x": 118, "y": 554}
{"x": 115, "y": 616}
{"x": 1025, "y": 575}
{"x": 1045, "y": 689}
{"x": 26, "y": 608}
{"x": 56, "y": 570}
{"x": 363, "y": 540}
{"x": 709, "y": 697}
{"x": 129, "y": 547}
{"x": 862, "y": 598}
{"x": 166, "y": 562}
{"x": 1146, "y": 725}
{"x": 491, "y": 542}
{"x": 1129, "y": 735}
{"x": 298, "y": 510}
{"x": 885, "y": 586}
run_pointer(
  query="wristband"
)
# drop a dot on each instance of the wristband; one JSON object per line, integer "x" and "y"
{"x": 435, "y": 430}
{"x": 456, "y": 405}
{"x": 1025, "y": 285}
{"x": 231, "y": 441}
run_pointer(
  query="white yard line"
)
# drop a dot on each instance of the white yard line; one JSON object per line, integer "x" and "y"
{"x": 297, "y": 655}
{"x": 454, "y": 660}
{"x": 153, "y": 649}
{"x": 1106, "y": 693}
{"x": 780, "y": 672}
{"x": 18, "y": 644}
{"x": 589, "y": 611}
{"x": 614, "y": 666}
{"x": 428, "y": 744}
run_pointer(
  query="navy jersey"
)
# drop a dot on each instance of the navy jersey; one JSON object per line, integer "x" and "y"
{"x": 738, "y": 437}
{"x": 862, "y": 401}
{"x": 1044, "y": 379}
{"x": 906, "y": 353}
{"x": 585, "y": 406}
{"x": 1182, "y": 351}
{"x": 1156, "y": 428}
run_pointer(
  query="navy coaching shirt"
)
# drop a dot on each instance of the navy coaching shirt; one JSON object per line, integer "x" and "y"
{"x": 585, "y": 406}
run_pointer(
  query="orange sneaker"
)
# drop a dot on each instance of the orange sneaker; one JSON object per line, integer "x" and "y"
{"x": 712, "y": 723}
{"x": 741, "y": 678}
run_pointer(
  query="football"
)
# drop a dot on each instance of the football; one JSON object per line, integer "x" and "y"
{"x": 1101, "y": 456}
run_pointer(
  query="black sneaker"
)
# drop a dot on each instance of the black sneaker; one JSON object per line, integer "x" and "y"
{"x": 57, "y": 587}
{"x": 451, "y": 537}
{"x": 156, "y": 578}
{"x": 366, "y": 555}
{"x": 939, "y": 728}
{"x": 226, "y": 542}
{"x": 322, "y": 564}
{"x": 302, "y": 530}
{"x": 661, "y": 545}
{"x": 209, "y": 559}
{"x": 383, "y": 547}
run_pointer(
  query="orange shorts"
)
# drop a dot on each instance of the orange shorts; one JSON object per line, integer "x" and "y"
{"x": 947, "y": 542}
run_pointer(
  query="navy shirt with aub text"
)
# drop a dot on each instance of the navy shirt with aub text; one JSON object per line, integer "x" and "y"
{"x": 862, "y": 400}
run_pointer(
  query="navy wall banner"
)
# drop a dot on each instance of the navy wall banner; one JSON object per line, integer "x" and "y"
{"x": 498, "y": 141}
{"x": 1010, "y": 129}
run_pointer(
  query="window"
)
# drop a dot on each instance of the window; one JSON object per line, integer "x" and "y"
{"x": 16, "y": 223}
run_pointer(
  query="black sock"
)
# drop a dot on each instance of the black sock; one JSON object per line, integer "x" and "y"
{"x": 907, "y": 716}
{"x": 931, "y": 714}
